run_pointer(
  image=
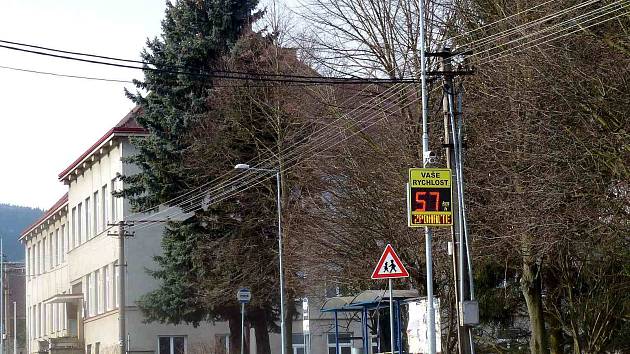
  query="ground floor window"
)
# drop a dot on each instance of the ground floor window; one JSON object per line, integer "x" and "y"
{"x": 298, "y": 344}
{"x": 345, "y": 343}
{"x": 172, "y": 345}
{"x": 222, "y": 343}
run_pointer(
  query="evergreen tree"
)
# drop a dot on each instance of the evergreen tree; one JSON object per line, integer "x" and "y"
{"x": 196, "y": 34}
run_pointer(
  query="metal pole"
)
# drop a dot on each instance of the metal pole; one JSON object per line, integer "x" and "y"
{"x": 391, "y": 316}
{"x": 242, "y": 328}
{"x": 121, "y": 287}
{"x": 425, "y": 159}
{"x": 337, "y": 350}
{"x": 282, "y": 327}
{"x": 14, "y": 327}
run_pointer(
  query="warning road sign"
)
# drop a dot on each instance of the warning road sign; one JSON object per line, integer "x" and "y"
{"x": 389, "y": 266}
{"x": 429, "y": 198}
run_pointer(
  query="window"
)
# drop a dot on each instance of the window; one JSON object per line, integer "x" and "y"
{"x": 96, "y": 214}
{"x": 104, "y": 220}
{"x": 298, "y": 344}
{"x": 28, "y": 261}
{"x": 88, "y": 219}
{"x": 51, "y": 251}
{"x": 55, "y": 318}
{"x": 222, "y": 343}
{"x": 73, "y": 239}
{"x": 345, "y": 343}
{"x": 172, "y": 345}
{"x": 57, "y": 247}
{"x": 88, "y": 349}
{"x": 93, "y": 291}
{"x": 97, "y": 347}
{"x": 44, "y": 322}
{"x": 44, "y": 259}
{"x": 113, "y": 201}
{"x": 79, "y": 226}
{"x": 107, "y": 303}
{"x": 99, "y": 291}
{"x": 62, "y": 250}
{"x": 38, "y": 256}
{"x": 115, "y": 284}
{"x": 90, "y": 294}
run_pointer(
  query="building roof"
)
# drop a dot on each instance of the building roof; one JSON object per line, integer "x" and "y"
{"x": 127, "y": 126}
{"x": 62, "y": 202}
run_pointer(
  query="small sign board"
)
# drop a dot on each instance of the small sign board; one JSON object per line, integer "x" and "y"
{"x": 429, "y": 198}
{"x": 244, "y": 295}
{"x": 389, "y": 266}
{"x": 305, "y": 317}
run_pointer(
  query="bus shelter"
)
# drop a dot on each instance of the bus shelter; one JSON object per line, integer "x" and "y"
{"x": 361, "y": 305}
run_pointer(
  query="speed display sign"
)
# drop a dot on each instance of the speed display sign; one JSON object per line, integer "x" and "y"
{"x": 429, "y": 199}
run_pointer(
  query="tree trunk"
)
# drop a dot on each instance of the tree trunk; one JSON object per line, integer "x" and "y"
{"x": 531, "y": 287}
{"x": 234, "y": 322}
{"x": 262, "y": 333}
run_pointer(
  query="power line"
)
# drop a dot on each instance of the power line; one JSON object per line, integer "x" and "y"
{"x": 224, "y": 74}
{"x": 64, "y": 75}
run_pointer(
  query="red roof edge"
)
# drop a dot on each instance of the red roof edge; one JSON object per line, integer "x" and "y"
{"x": 60, "y": 203}
{"x": 127, "y": 125}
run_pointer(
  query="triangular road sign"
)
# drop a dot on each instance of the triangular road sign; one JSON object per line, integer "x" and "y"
{"x": 389, "y": 266}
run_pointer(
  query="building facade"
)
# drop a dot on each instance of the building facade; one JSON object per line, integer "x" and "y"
{"x": 72, "y": 272}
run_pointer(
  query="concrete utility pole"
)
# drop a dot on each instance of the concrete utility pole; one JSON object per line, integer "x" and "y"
{"x": 14, "y": 327}
{"x": 122, "y": 265}
{"x": 461, "y": 254}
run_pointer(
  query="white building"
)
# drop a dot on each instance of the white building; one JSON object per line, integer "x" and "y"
{"x": 72, "y": 303}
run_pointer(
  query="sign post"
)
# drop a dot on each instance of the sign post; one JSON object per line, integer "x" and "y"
{"x": 390, "y": 267}
{"x": 244, "y": 296}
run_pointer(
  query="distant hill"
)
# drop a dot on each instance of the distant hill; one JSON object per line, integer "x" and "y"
{"x": 13, "y": 220}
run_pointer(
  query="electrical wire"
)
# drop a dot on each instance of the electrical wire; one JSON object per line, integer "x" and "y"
{"x": 224, "y": 74}
{"x": 602, "y": 11}
{"x": 65, "y": 75}
{"x": 288, "y": 151}
{"x": 555, "y": 33}
{"x": 231, "y": 193}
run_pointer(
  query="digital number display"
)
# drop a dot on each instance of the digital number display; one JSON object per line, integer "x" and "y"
{"x": 430, "y": 197}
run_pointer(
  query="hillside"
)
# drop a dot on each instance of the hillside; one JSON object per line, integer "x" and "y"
{"x": 13, "y": 220}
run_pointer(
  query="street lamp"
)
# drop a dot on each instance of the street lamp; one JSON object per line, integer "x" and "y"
{"x": 243, "y": 166}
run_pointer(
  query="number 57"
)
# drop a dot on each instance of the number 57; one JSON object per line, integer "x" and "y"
{"x": 422, "y": 199}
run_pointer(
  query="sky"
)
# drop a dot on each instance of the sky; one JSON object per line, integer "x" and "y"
{"x": 47, "y": 122}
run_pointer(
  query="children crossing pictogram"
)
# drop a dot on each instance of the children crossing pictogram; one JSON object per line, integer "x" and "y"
{"x": 389, "y": 266}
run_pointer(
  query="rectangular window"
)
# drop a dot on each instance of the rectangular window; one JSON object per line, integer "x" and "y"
{"x": 107, "y": 304}
{"x": 114, "y": 213}
{"x": 298, "y": 344}
{"x": 55, "y": 318}
{"x": 62, "y": 251}
{"x": 90, "y": 294}
{"x": 51, "y": 251}
{"x": 104, "y": 220}
{"x": 345, "y": 343}
{"x": 28, "y": 261}
{"x": 88, "y": 219}
{"x": 88, "y": 349}
{"x": 96, "y": 213}
{"x": 73, "y": 239}
{"x": 97, "y": 347}
{"x": 222, "y": 343}
{"x": 57, "y": 247}
{"x": 44, "y": 319}
{"x": 44, "y": 259}
{"x": 99, "y": 291}
{"x": 94, "y": 294}
{"x": 172, "y": 345}
{"x": 115, "y": 284}
{"x": 79, "y": 225}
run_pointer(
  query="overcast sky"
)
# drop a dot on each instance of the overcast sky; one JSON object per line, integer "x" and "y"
{"x": 47, "y": 122}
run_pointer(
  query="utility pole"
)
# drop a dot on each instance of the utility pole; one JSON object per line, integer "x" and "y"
{"x": 14, "y": 327}
{"x": 467, "y": 309}
{"x": 427, "y": 157}
{"x": 122, "y": 234}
